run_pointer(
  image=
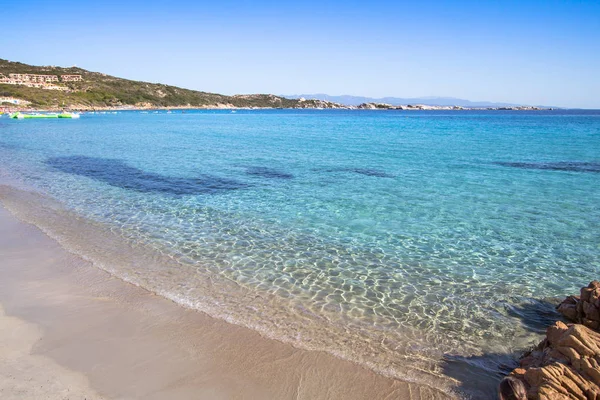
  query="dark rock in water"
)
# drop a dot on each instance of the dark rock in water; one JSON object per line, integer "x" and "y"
{"x": 555, "y": 166}
{"x": 268, "y": 173}
{"x": 117, "y": 173}
{"x": 512, "y": 388}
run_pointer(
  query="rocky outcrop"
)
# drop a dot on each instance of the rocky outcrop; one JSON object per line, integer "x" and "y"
{"x": 519, "y": 108}
{"x": 313, "y": 103}
{"x": 583, "y": 309}
{"x": 385, "y": 106}
{"x": 375, "y": 106}
{"x": 566, "y": 365}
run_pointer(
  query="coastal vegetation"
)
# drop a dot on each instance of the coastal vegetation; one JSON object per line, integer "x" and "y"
{"x": 98, "y": 90}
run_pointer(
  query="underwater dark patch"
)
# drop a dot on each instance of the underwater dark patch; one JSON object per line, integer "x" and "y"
{"x": 270, "y": 173}
{"x": 117, "y": 173}
{"x": 9, "y": 146}
{"x": 363, "y": 171}
{"x": 371, "y": 172}
{"x": 555, "y": 166}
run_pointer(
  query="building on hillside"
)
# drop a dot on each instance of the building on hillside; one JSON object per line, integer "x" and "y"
{"x": 55, "y": 87}
{"x": 36, "y": 81}
{"x": 71, "y": 78}
{"x": 33, "y": 78}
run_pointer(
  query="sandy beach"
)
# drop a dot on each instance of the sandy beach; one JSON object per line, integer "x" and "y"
{"x": 71, "y": 331}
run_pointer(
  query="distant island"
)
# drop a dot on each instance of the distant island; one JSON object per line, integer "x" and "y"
{"x": 24, "y": 87}
{"x": 350, "y": 100}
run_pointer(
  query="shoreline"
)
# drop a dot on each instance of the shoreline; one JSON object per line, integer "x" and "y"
{"x": 220, "y": 298}
{"x": 224, "y": 107}
{"x": 25, "y": 374}
{"x": 124, "y": 339}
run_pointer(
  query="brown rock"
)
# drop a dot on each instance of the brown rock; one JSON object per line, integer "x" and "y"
{"x": 590, "y": 324}
{"x": 586, "y": 293}
{"x": 555, "y": 332}
{"x": 585, "y": 307}
{"x": 532, "y": 359}
{"x": 590, "y": 311}
{"x": 569, "y": 311}
{"x": 559, "y": 381}
{"x": 519, "y": 372}
{"x": 566, "y": 365}
{"x": 594, "y": 284}
{"x": 555, "y": 355}
{"x": 571, "y": 300}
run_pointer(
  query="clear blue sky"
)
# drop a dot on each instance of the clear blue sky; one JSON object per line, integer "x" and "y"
{"x": 531, "y": 52}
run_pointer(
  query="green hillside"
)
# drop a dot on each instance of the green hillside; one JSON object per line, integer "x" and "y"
{"x": 99, "y": 90}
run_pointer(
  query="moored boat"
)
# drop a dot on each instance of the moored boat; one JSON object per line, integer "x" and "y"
{"x": 19, "y": 115}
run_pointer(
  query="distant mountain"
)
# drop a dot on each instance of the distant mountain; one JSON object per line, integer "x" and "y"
{"x": 396, "y": 101}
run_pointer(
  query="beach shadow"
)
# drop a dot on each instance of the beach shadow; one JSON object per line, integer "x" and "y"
{"x": 536, "y": 314}
{"x": 572, "y": 166}
{"x": 117, "y": 173}
{"x": 479, "y": 376}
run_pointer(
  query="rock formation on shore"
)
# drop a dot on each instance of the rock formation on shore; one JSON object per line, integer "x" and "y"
{"x": 385, "y": 106}
{"x": 566, "y": 364}
{"x": 583, "y": 309}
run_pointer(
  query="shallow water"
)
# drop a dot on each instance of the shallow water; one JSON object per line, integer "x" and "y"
{"x": 411, "y": 242}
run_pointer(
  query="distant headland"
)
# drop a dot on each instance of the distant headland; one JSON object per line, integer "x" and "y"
{"x": 24, "y": 87}
{"x": 432, "y": 101}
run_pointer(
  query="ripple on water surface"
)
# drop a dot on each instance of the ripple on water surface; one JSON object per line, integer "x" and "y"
{"x": 399, "y": 243}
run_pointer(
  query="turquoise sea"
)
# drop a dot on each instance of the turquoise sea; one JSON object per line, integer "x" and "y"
{"x": 429, "y": 246}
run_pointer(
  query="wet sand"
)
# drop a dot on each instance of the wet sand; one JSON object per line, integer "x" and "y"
{"x": 24, "y": 375}
{"x": 69, "y": 330}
